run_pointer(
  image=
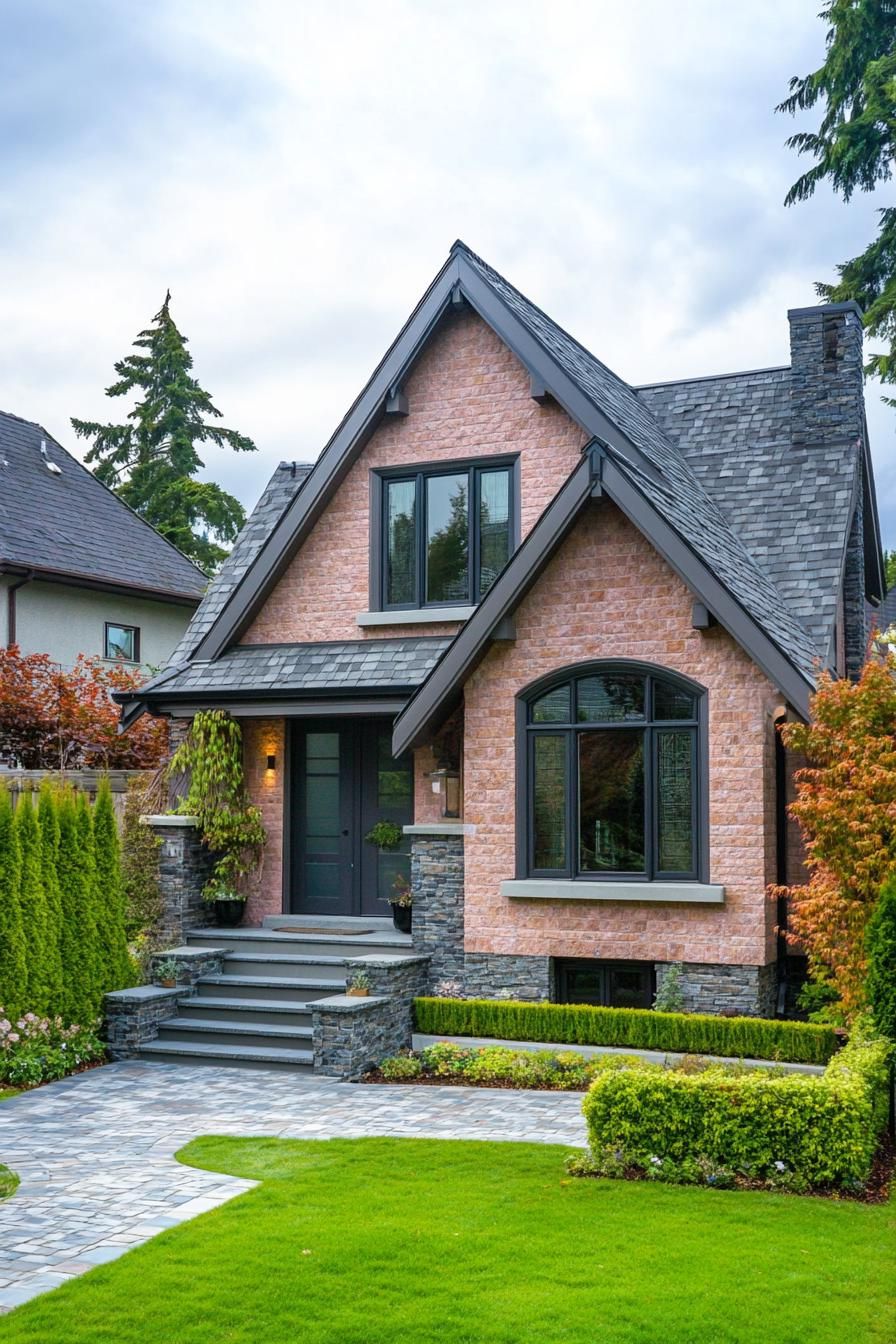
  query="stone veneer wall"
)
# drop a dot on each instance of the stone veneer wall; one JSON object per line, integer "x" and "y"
{"x": 352, "y": 1035}
{"x": 133, "y": 1017}
{"x": 184, "y": 868}
{"x": 437, "y": 883}
{"x": 744, "y": 991}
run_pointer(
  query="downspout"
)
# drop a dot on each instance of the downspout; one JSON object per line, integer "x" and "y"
{"x": 11, "y": 607}
{"x": 781, "y": 863}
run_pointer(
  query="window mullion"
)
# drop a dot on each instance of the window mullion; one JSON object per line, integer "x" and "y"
{"x": 473, "y": 512}
{"x": 420, "y": 509}
{"x": 572, "y": 804}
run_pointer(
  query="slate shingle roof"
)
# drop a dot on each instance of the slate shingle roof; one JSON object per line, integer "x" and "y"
{"x": 71, "y": 524}
{"x": 789, "y": 504}
{"x": 280, "y": 491}
{"x": 355, "y": 665}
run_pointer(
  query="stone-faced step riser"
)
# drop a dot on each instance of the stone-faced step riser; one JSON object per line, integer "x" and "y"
{"x": 289, "y": 946}
{"x": 196, "y": 1010}
{"x": 299, "y": 1039}
{"x": 236, "y": 963}
{"x": 224, "y": 1062}
{"x": 229, "y": 987}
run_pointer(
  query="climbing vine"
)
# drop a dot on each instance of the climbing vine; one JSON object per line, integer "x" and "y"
{"x": 211, "y": 757}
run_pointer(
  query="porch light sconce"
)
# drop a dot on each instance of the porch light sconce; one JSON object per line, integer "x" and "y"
{"x": 446, "y": 782}
{"x": 272, "y": 761}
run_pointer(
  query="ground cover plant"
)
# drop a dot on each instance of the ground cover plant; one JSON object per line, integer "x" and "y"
{"x": 634, "y": 1028}
{"x": 496, "y": 1066}
{"x": 9, "y": 1181}
{"x": 377, "y": 1240}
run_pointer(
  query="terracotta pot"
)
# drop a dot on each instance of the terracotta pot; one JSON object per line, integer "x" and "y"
{"x": 357, "y": 993}
{"x": 169, "y": 984}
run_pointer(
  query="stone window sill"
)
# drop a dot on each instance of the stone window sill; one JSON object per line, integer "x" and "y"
{"x": 423, "y": 616}
{"x": 169, "y": 819}
{"x": 440, "y": 828}
{"x": 556, "y": 889}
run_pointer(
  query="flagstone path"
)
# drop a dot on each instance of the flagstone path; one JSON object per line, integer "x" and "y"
{"x": 95, "y": 1152}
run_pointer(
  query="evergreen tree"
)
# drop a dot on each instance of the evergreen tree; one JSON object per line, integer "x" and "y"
{"x": 12, "y": 943}
{"x": 854, "y": 148}
{"x": 35, "y": 994}
{"x": 881, "y": 947}
{"x": 109, "y": 903}
{"x": 152, "y": 460}
{"x": 76, "y": 949}
{"x": 92, "y": 950}
{"x": 48, "y": 821}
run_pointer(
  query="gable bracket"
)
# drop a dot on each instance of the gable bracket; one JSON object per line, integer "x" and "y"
{"x": 396, "y": 401}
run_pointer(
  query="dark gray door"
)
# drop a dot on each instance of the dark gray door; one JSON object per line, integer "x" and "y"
{"x": 344, "y": 780}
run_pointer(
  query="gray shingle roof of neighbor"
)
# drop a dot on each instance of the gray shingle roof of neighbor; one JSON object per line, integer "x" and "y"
{"x": 280, "y": 491}
{"x": 790, "y": 505}
{"x": 339, "y": 667}
{"x": 674, "y": 487}
{"x": 69, "y": 523}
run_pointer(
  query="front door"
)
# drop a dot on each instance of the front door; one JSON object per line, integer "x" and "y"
{"x": 344, "y": 780}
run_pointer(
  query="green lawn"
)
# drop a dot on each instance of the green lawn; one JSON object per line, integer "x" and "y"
{"x": 401, "y": 1241}
{"x": 7, "y": 1092}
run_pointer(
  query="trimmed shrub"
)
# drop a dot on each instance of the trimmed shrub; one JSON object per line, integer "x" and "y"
{"x": 818, "y": 1130}
{"x": 113, "y": 959}
{"x": 636, "y": 1028}
{"x": 881, "y": 948}
{"x": 76, "y": 999}
{"x": 12, "y": 943}
{"x": 35, "y": 992}
{"x": 91, "y": 948}
{"x": 48, "y": 821}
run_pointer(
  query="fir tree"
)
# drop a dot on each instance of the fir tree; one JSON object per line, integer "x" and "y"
{"x": 854, "y": 149}
{"x": 881, "y": 947}
{"x": 12, "y": 943}
{"x": 48, "y": 821}
{"x": 35, "y": 994}
{"x": 152, "y": 460}
{"x": 109, "y": 903}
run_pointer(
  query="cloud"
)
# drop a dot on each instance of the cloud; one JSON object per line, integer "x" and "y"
{"x": 296, "y": 174}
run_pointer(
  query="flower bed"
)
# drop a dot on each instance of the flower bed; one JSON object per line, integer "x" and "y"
{"x": 719, "y": 1126}
{"x": 36, "y": 1050}
{"x": 635, "y": 1028}
{"x": 496, "y": 1066}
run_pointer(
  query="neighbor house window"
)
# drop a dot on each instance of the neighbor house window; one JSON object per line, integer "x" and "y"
{"x": 122, "y": 642}
{"x": 446, "y": 533}
{"x": 612, "y": 787}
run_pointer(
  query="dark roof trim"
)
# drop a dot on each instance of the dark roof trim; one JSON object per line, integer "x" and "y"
{"x": 875, "y": 570}
{"x": 291, "y": 708}
{"x": 597, "y": 474}
{"x": 457, "y": 276}
{"x": 74, "y": 579}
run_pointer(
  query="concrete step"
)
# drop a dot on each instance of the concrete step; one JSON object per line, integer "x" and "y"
{"x": 228, "y": 1031}
{"x": 272, "y": 942}
{"x": 295, "y": 989}
{"x": 378, "y": 923}
{"x": 331, "y": 969}
{"x": 230, "y": 1056}
{"x": 262, "y": 1011}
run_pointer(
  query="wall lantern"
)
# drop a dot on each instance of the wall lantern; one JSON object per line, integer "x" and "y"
{"x": 446, "y": 782}
{"x": 272, "y": 761}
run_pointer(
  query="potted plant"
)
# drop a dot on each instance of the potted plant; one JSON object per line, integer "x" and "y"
{"x": 401, "y": 904}
{"x": 211, "y": 756}
{"x": 359, "y": 985}
{"x": 166, "y": 972}
{"x": 386, "y": 835}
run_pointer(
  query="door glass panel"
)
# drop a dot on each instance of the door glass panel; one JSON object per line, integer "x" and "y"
{"x": 670, "y": 702}
{"x": 611, "y": 801}
{"x": 447, "y": 550}
{"x": 494, "y": 526}
{"x": 321, "y": 872}
{"x": 553, "y": 707}
{"x": 675, "y": 804}
{"x": 394, "y": 779}
{"x": 549, "y": 794}
{"x": 610, "y": 698}
{"x": 401, "y": 543}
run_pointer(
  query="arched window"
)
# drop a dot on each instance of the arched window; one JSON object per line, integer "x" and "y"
{"x": 612, "y": 775}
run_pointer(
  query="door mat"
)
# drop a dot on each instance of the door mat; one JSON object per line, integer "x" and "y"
{"x": 336, "y": 932}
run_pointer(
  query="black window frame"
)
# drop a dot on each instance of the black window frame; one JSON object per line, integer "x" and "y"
{"x": 565, "y": 968}
{"x": 526, "y": 732}
{"x": 382, "y": 477}
{"x": 120, "y": 625}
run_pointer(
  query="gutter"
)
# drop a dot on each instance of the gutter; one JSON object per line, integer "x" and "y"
{"x": 11, "y": 607}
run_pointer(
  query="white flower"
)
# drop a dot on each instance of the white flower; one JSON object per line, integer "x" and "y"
{"x": 780, "y": 1166}
{"x": 656, "y": 1161}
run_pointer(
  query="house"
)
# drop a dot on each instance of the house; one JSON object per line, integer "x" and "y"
{"x": 80, "y": 572}
{"x": 547, "y": 622}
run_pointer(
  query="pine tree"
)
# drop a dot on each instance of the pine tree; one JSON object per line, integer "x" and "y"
{"x": 48, "y": 821}
{"x": 35, "y": 995}
{"x": 881, "y": 946}
{"x": 109, "y": 893}
{"x": 152, "y": 460}
{"x": 12, "y": 943}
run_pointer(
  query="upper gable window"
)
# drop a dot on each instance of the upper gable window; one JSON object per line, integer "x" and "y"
{"x": 121, "y": 642}
{"x": 446, "y": 534}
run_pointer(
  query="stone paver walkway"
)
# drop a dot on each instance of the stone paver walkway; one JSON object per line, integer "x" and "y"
{"x": 95, "y": 1152}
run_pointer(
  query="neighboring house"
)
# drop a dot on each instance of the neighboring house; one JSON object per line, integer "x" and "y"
{"x": 80, "y": 572}
{"x": 566, "y": 612}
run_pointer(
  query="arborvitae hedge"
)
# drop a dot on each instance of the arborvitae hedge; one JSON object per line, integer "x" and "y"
{"x": 48, "y": 821}
{"x": 76, "y": 997}
{"x": 35, "y": 992}
{"x": 881, "y": 946}
{"x": 109, "y": 898}
{"x": 637, "y": 1028}
{"x": 12, "y": 947}
{"x": 94, "y": 969}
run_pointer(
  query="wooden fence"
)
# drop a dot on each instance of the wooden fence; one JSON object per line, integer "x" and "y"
{"x": 28, "y": 781}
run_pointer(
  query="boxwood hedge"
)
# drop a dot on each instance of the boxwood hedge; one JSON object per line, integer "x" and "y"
{"x": 823, "y": 1130}
{"x": 635, "y": 1028}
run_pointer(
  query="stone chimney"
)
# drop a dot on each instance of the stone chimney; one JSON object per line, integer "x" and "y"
{"x": 827, "y": 411}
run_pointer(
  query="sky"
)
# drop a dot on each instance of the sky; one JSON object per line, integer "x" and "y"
{"x": 297, "y": 170}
